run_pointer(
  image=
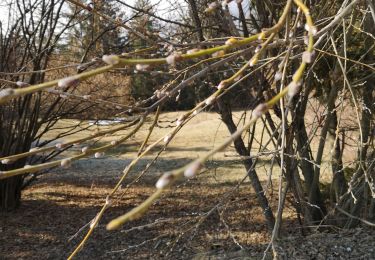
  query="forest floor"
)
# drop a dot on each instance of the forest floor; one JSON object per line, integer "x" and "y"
{"x": 212, "y": 216}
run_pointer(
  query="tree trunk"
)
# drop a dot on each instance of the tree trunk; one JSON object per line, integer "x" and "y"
{"x": 338, "y": 185}
{"x": 242, "y": 17}
{"x": 196, "y": 19}
{"x": 10, "y": 193}
{"x": 312, "y": 214}
{"x": 313, "y": 196}
{"x": 10, "y": 188}
{"x": 361, "y": 186}
{"x": 226, "y": 115}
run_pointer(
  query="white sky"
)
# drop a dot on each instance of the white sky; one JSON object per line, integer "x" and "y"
{"x": 163, "y": 9}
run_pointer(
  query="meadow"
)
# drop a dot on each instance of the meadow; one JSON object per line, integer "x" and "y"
{"x": 214, "y": 215}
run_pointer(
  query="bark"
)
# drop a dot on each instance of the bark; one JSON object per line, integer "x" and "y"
{"x": 226, "y": 115}
{"x": 339, "y": 185}
{"x": 263, "y": 14}
{"x": 313, "y": 196}
{"x": 243, "y": 20}
{"x": 10, "y": 193}
{"x": 293, "y": 178}
{"x": 312, "y": 214}
{"x": 19, "y": 118}
{"x": 360, "y": 186}
{"x": 196, "y": 19}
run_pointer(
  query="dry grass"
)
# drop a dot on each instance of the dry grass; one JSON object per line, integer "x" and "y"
{"x": 177, "y": 226}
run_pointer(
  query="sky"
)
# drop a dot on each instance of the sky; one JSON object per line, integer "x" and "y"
{"x": 4, "y": 13}
{"x": 163, "y": 8}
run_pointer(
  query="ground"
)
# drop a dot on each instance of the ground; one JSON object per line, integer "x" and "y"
{"x": 208, "y": 217}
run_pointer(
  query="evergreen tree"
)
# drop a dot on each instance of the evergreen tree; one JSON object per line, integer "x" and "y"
{"x": 93, "y": 35}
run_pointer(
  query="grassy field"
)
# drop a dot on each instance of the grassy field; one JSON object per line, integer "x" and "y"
{"x": 210, "y": 216}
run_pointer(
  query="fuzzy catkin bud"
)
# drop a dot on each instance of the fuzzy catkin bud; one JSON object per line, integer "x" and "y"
{"x": 231, "y": 41}
{"x": 85, "y": 149}
{"x": 94, "y": 222}
{"x": 22, "y": 84}
{"x": 159, "y": 94}
{"x": 278, "y": 76}
{"x": 221, "y": 85}
{"x": 293, "y": 88}
{"x": 59, "y": 145}
{"x": 218, "y": 54}
{"x": 164, "y": 180}
{"x": 142, "y": 67}
{"x": 167, "y": 138}
{"x": 34, "y": 149}
{"x": 98, "y": 154}
{"x": 6, "y": 92}
{"x": 180, "y": 120}
{"x": 211, "y": 7}
{"x": 111, "y": 59}
{"x": 81, "y": 68}
{"x": 108, "y": 201}
{"x": 307, "y": 57}
{"x": 66, "y": 163}
{"x": 260, "y": 110}
{"x": 209, "y": 100}
{"x": 253, "y": 61}
{"x": 311, "y": 29}
{"x": 114, "y": 142}
{"x": 86, "y": 97}
{"x": 68, "y": 82}
{"x": 173, "y": 59}
{"x": 6, "y": 161}
{"x": 192, "y": 169}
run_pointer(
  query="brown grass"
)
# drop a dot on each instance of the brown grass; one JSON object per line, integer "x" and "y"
{"x": 178, "y": 226}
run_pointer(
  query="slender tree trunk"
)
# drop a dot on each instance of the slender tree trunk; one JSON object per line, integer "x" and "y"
{"x": 312, "y": 213}
{"x": 361, "y": 180}
{"x": 313, "y": 196}
{"x": 226, "y": 115}
{"x": 243, "y": 20}
{"x": 10, "y": 188}
{"x": 196, "y": 19}
{"x": 339, "y": 185}
{"x": 10, "y": 193}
